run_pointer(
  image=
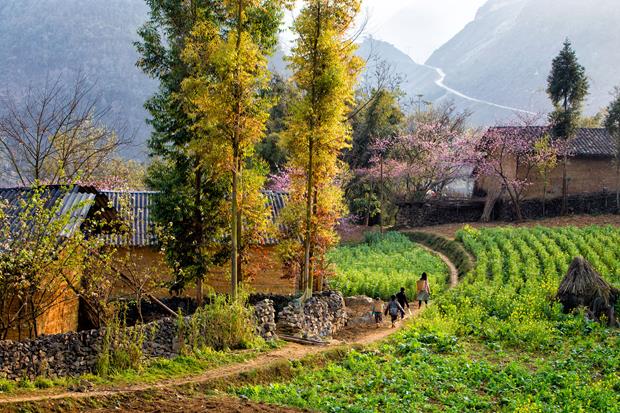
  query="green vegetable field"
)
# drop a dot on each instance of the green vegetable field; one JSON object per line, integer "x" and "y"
{"x": 383, "y": 264}
{"x": 497, "y": 342}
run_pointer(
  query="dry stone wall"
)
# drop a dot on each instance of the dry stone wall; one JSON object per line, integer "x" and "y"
{"x": 74, "y": 354}
{"x": 321, "y": 316}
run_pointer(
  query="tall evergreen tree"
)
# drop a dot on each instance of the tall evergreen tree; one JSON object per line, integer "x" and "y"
{"x": 188, "y": 205}
{"x": 567, "y": 87}
{"x": 324, "y": 71}
{"x": 612, "y": 124}
{"x": 225, "y": 94}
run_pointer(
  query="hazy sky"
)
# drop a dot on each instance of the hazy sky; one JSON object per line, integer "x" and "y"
{"x": 418, "y": 27}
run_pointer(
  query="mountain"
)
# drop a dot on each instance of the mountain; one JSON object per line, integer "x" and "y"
{"x": 498, "y": 61}
{"x": 43, "y": 39}
{"x": 416, "y": 78}
{"x": 504, "y": 56}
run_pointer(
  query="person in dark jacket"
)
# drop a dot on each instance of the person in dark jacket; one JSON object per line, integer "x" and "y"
{"x": 393, "y": 308}
{"x": 402, "y": 300}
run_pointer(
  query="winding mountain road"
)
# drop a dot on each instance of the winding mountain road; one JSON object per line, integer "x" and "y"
{"x": 441, "y": 83}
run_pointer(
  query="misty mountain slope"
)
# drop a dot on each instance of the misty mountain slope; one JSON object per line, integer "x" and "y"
{"x": 44, "y": 39}
{"x": 505, "y": 54}
{"x": 416, "y": 78}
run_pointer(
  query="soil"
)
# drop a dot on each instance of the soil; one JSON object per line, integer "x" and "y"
{"x": 449, "y": 230}
{"x": 171, "y": 401}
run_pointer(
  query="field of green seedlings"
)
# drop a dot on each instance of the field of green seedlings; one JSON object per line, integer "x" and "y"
{"x": 383, "y": 264}
{"x": 497, "y": 342}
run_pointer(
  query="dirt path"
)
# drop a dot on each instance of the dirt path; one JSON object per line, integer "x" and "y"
{"x": 290, "y": 352}
{"x": 365, "y": 335}
{"x": 454, "y": 273}
{"x": 449, "y": 230}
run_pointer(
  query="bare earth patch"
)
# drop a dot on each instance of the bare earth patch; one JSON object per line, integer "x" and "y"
{"x": 449, "y": 230}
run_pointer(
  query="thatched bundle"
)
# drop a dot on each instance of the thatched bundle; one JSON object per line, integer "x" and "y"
{"x": 583, "y": 286}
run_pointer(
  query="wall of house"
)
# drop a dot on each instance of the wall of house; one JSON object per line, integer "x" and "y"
{"x": 585, "y": 176}
{"x": 60, "y": 317}
{"x": 263, "y": 272}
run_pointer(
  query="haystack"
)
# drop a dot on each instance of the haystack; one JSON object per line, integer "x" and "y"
{"x": 583, "y": 286}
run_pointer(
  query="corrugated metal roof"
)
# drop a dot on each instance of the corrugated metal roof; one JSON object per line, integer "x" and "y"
{"x": 587, "y": 143}
{"x": 276, "y": 201}
{"x": 136, "y": 205}
{"x": 81, "y": 203}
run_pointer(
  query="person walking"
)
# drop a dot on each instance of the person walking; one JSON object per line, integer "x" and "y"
{"x": 377, "y": 310}
{"x": 393, "y": 308}
{"x": 424, "y": 291}
{"x": 402, "y": 300}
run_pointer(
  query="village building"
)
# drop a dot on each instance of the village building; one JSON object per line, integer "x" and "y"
{"x": 140, "y": 248}
{"x": 89, "y": 211}
{"x": 589, "y": 170}
{"x": 138, "y": 254}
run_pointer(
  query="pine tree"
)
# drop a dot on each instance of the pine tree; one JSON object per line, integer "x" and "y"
{"x": 324, "y": 71}
{"x": 190, "y": 194}
{"x": 567, "y": 87}
{"x": 225, "y": 94}
{"x": 612, "y": 124}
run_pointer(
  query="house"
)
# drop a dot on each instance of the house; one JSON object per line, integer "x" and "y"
{"x": 590, "y": 168}
{"x": 137, "y": 248}
{"x": 140, "y": 248}
{"x": 81, "y": 209}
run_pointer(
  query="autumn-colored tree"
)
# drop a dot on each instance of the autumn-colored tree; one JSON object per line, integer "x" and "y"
{"x": 179, "y": 173}
{"x": 225, "y": 95}
{"x": 325, "y": 71}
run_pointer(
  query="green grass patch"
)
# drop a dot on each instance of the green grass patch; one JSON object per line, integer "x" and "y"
{"x": 497, "y": 342}
{"x": 383, "y": 264}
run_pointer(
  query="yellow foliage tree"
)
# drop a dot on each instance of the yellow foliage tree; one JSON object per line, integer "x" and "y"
{"x": 225, "y": 96}
{"x": 325, "y": 72}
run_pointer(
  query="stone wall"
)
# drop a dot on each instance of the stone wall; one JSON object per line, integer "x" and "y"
{"x": 74, "y": 354}
{"x": 420, "y": 214}
{"x": 321, "y": 316}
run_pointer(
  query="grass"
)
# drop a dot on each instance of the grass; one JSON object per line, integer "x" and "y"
{"x": 153, "y": 371}
{"x": 497, "y": 342}
{"x": 383, "y": 264}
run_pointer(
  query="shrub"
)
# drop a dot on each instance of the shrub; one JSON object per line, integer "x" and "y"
{"x": 222, "y": 324}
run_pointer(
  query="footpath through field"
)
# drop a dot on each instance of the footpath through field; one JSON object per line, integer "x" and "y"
{"x": 360, "y": 336}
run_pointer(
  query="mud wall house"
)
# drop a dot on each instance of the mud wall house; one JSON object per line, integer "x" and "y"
{"x": 139, "y": 250}
{"x": 87, "y": 208}
{"x": 590, "y": 168}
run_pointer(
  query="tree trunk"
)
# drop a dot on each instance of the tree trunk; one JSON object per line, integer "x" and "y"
{"x": 234, "y": 253}
{"x": 367, "y": 220}
{"x": 307, "y": 277}
{"x": 618, "y": 185}
{"x": 381, "y": 195}
{"x": 198, "y": 230}
{"x": 544, "y": 199}
{"x": 514, "y": 197}
{"x": 240, "y": 246}
{"x": 564, "y": 184}
{"x": 236, "y": 162}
